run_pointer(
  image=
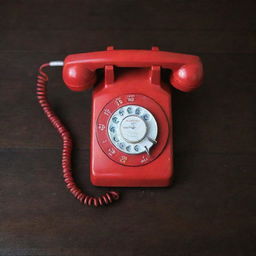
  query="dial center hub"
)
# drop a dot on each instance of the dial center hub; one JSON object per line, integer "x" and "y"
{"x": 133, "y": 129}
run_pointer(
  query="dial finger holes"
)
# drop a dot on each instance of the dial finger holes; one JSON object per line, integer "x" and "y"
{"x": 121, "y": 112}
{"x": 133, "y": 129}
{"x": 146, "y": 117}
{"x": 137, "y": 111}
{"x": 129, "y": 110}
{"x": 137, "y": 148}
{"x": 112, "y": 129}
{"x": 115, "y": 120}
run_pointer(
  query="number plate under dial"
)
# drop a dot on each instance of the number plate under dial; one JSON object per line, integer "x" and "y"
{"x": 129, "y": 129}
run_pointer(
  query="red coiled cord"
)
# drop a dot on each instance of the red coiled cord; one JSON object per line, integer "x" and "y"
{"x": 107, "y": 198}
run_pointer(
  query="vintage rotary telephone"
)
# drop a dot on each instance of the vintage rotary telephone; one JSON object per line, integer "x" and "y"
{"x": 131, "y": 125}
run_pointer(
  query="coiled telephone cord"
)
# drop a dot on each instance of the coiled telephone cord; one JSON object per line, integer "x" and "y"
{"x": 104, "y": 199}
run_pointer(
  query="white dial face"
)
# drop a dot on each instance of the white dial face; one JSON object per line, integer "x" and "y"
{"x": 132, "y": 129}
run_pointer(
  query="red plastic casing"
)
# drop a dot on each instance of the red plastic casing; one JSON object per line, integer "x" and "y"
{"x": 145, "y": 80}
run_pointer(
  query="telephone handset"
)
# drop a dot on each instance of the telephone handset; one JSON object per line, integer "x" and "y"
{"x": 131, "y": 126}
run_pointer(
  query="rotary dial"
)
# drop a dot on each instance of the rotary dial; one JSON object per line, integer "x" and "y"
{"x": 133, "y": 129}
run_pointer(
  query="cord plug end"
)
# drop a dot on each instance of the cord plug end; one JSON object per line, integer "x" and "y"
{"x": 56, "y": 63}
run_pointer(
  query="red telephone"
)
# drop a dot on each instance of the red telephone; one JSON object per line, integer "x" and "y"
{"x": 131, "y": 127}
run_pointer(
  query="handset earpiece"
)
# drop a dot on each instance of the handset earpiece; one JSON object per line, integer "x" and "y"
{"x": 77, "y": 77}
{"x": 188, "y": 77}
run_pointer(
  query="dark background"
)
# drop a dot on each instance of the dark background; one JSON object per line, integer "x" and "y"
{"x": 210, "y": 209}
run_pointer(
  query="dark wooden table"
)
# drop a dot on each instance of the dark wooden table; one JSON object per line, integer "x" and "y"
{"x": 210, "y": 209}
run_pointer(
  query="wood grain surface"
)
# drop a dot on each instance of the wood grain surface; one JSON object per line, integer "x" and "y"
{"x": 209, "y": 210}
